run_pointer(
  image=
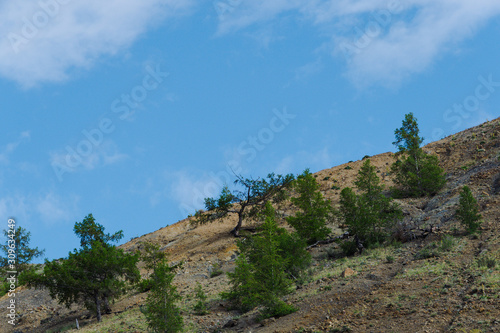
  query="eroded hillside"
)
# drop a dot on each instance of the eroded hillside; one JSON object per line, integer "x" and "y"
{"x": 393, "y": 289}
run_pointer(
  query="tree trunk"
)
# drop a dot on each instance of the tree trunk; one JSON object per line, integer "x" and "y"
{"x": 107, "y": 308}
{"x": 236, "y": 230}
{"x": 98, "y": 307}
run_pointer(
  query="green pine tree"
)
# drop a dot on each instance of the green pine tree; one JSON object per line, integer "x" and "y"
{"x": 260, "y": 277}
{"x": 468, "y": 211}
{"x": 200, "y": 307}
{"x": 371, "y": 215}
{"x": 315, "y": 212}
{"x": 416, "y": 173}
{"x": 93, "y": 275}
{"x": 161, "y": 311}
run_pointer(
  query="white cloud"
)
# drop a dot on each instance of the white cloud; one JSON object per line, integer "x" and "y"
{"x": 12, "y": 146}
{"x": 383, "y": 41}
{"x": 49, "y": 207}
{"x": 190, "y": 190}
{"x": 73, "y": 159}
{"x": 45, "y": 40}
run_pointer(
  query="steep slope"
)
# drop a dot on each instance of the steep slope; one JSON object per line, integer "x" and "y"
{"x": 392, "y": 290}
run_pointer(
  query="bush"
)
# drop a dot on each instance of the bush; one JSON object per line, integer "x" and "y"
{"x": 200, "y": 307}
{"x": 279, "y": 309}
{"x": 348, "y": 247}
{"x": 216, "y": 269}
{"x": 468, "y": 211}
{"x": 429, "y": 251}
{"x": 487, "y": 262}
{"x": 446, "y": 243}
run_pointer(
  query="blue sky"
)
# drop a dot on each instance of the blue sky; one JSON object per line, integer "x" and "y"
{"x": 137, "y": 110}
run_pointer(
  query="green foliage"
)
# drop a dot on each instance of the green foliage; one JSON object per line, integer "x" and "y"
{"x": 435, "y": 249}
{"x": 468, "y": 211}
{"x": 89, "y": 232}
{"x": 246, "y": 200}
{"x": 315, "y": 211}
{"x": 292, "y": 248}
{"x": 24, "y": 254}
{"x": 488, "y": 262}
{"x": 348, "y": 247}
{"x": 93, "y": 275}
{"x": 416, "y": 173}
{"x": 161, "y": 311}
{"x": 216, "y": 270}
{"x": 200, "y": 307}
{"x": 260, "y": 277}
{"x": 370, "y": 215}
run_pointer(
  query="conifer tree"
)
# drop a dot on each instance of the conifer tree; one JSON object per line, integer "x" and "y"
{"x": 468, "y": 210}
{"x": 315, "y": 211}
{"x": 260, "y": 277}
{"x": 370, "y": 215}
{"x": 416, "y": 173}
{"x": 24, "y": 253}
{"x": 247, "y": 200}
{"x": 161, "y": 311}
{"x": 93, "y": 275}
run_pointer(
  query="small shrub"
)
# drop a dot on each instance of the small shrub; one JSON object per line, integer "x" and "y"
{"x": 468, "y": 211}
{"x": 349, "y": 247}
{"x": 429, "y": 251}
{"x": 144, "y": 285}
{"x": 348, "y": 167}
{"x": 366, "y": 156}
{"x": 326, "y": 178}
{"x": 446, "y": 243}
{"x": 200, "y": 307}
{"x": 487, "y": 262}
{"x": 343, "y": 329}
{"x": 216, "y": 269}
{"x": 389, "y": 259}
{"x": 335, "y": 187}
{"x": 279, "y": 309}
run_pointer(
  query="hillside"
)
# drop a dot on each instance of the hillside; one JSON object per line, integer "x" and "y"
{"x": 390, "y": 289}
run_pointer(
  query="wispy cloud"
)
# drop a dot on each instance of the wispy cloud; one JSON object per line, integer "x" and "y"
{"x": 46, "y": 40}
{"x": 47, "y": 207}
{"x": 10, "y": 147}
{"x": 106, "y": 153}
{"x": 52, "y": 209}
{"x": 382, "y": 41}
